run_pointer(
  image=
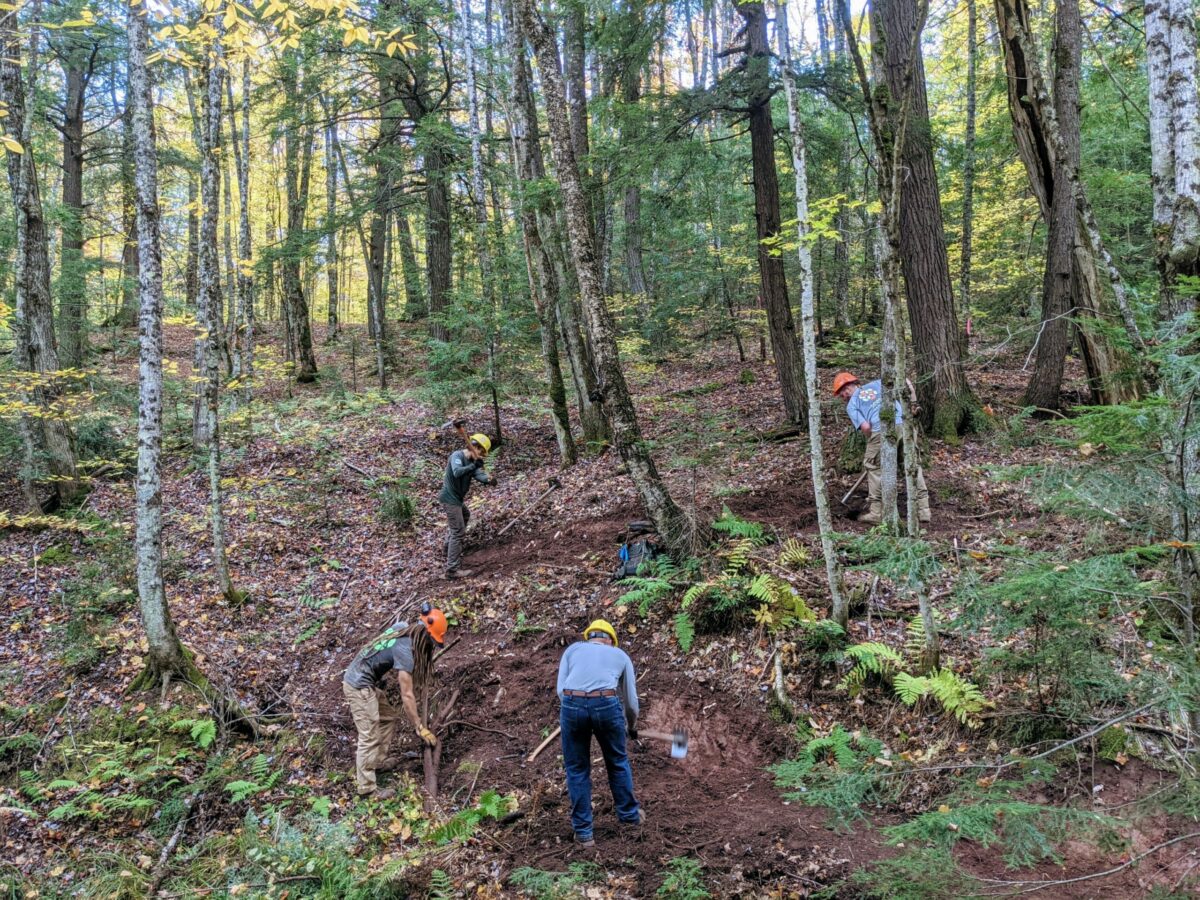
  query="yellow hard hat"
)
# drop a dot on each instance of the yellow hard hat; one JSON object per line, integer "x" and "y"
{"x": 483, "y": 441}
{"x": 600, "y": 625}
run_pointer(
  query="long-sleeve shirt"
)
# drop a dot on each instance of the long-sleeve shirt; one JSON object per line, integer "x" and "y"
{"x": 864, "y": 406}
{"x": 589, "y": 666}
{"x": 460, "y": 471}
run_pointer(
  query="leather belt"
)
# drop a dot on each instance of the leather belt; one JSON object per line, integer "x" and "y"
{"x": 604, "y": 693}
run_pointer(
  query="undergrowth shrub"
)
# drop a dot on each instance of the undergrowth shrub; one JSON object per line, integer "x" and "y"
{"x": 397, "y": 507}
{"x": 837, "y": 771}
{"x": 684, "y": 880}
{"x": 543, "y": 885}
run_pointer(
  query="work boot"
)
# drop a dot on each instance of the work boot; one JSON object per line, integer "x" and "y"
{"x": 873, "y": 516}
{"x": 391, "y": 764}
{"x": 452, "y": 574}
{"x": 924, "y": 514}
{"x": 585, "y": 843}
{"x": 380, "y": 794}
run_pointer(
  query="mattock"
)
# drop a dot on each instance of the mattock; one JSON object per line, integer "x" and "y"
{"x": 554, "y": 485}
{"x": 678, "y": 739}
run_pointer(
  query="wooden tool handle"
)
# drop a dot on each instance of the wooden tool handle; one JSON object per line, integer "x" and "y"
{"x": 543, "y": 745}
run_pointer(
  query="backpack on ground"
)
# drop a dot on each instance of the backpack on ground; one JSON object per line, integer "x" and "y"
{"x": 638, "y": 547}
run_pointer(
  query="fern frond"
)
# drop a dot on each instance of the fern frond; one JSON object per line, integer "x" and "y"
{"x": 738, "y": 555}
{"x": 910, "y": 688}
{"x": 914, "y": 638}
{"x": 733, "y": 526}
{"x": 685, "y": 631}
{"x": 794, "y": 555}
{"x": 694, "y": 593}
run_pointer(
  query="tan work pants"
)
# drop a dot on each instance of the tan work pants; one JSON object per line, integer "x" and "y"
{"x": 376, "y": 718}
{"x": 875, "y": 477}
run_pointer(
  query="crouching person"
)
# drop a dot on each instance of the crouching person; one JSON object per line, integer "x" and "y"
{"x": 408, "y": 650}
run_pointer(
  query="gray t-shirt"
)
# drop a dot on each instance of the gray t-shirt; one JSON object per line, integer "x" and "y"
{"x": 588, "y": 666}
{"x": 391, "y": 650}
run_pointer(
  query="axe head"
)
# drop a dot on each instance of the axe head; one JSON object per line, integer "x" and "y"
{"x": 679, "y": 744}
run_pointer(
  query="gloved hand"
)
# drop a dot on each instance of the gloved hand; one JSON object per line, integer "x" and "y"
{"x": 492, "y": 481}
{"x": 427, "y": 736}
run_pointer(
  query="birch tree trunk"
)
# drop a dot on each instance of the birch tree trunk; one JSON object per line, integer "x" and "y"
{"x": 243, "y": 371}
{"x": 676, "y": 531}
{"x": 544, "y": 286}
{"x": 839, "y": 611}
{"x": 331, "y": 230}
{"x": 165, "y": 653}
{"x": 773, "y": 284}
{"x": 209, "y": 303}
{"x": 129, "y": 313}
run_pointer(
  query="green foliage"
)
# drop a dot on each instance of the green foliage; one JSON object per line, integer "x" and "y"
{"x": 440, "y": 886}
{"x": 684, "y": 880}
{"x": 869, "y": 659}
{"x": 924, "y": 873}
{"x": 837, "y": 771}
{"x": 794, "y": 555}
{"x": 202, "y": 731}
{"x": 685, "y": 631}
{"x": 462, "y": 825}
{"x": 959, "y": 697}
{"x": 260, "y": 780}
{"x": 543, "y": 885}
{"x": 731, "y": 525}
{"x": 397, "y": 507}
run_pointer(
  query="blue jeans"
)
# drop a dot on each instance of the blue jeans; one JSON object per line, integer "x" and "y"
{"x": 583, "y": 718}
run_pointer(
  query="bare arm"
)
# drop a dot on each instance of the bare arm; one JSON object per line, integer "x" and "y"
{"x": 409, "y": 699}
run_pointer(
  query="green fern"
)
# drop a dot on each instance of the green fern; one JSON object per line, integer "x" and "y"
{"x": 737, "y": 556}
{"x": 731, "y": 525}
{"x": 959, "y": 697}
{"x": 645, "y": 592}
{"x": 440, "y": 886}
{"x": 869, "y": 659}
{"x": 685, "y": 631}
{"x": 914, "y": 638}
{"x": 794, "y": 555}
{"x": 694, "y": 593}
{"x": 786, "y": 607}
{"x": 202, "y": 731}
{"x": 837, "y": 770}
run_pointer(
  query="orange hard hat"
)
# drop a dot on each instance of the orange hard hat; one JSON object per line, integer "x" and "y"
{"x": 435, "y": 624}
{"x": 841, "y": 379}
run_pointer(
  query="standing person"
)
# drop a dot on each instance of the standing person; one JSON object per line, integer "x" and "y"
{"x": 463, "y": 467}
{"x": 408, "y": 649}
{"x": 862, "y": 406}
{"x": 598, "y": 688}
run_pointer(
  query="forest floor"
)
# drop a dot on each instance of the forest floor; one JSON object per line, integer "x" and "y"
{"x": 325, "y": 573}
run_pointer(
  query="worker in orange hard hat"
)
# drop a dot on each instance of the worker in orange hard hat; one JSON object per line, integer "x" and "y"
{"x": 407, "y": 649}
{"x": 463, "y": 467}
{"x": 862, "y": 406}
{"x": 598, "y": 688}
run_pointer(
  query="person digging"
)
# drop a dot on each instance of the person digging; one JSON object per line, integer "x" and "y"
{"x": 862, "y": 406}
{"x": 598, "y": 689}
{"x": 407, "y": 649}
{"x": 463, "y": 467}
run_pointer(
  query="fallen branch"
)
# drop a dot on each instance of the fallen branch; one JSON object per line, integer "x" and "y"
{"x": 479, "y": 728}
{"x": 353, "y": 468}
{"x": 544, "y": 744}
{"x": 163, "y": 866}
{"x": 446, "y": 649}
{"x": 1041, "y": 885}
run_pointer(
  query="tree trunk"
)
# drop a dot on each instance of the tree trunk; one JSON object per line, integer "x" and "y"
{"x": 674, "y": 528}
{"x": 948, "y": 407}
{"x": 438, "y": 248}
{"x": 1059, "y": 287}
{"x": 414, "y": 295}
{"x": 331, "y": 229}
{"x": 72, "y": 278}
{"x": 634, "y": 270}
{"x": 129, "y": 314}
{"x": 47, "y": 439}
{"x": 544, "y": 286}
{"x": 773, "y": 287}
{"x": 297, "y": 149}
{"x": 808, "y": 330}
{"x": 191, "y": 276}
{"x": 209, "y": 302}
{"x": 244, "y": 359}
{"x": 1112, "y": 376}
{"x": 968, "y": 207}
{"x": 165, "y": 653}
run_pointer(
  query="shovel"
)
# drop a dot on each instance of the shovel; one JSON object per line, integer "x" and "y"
{"x": 554, "y": 485}
{"x": 678, "y": 739}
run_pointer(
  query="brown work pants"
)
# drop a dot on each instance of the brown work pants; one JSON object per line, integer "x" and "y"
{"x": 875, "y": 477}
{"x": 375, "y": 718}
{"x": 457, "y": 519}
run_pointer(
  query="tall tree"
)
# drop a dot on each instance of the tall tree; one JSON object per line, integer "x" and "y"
{"x": 808, "y": 328}
{"x": 298, "y": 139}
{"x": 47, "y": 436}
{"x": 544, "y": 285}
{"x": 331, "y": 227}
{"x": 243, "y": 369}
{"x": 968, "y": 175}
{"x": 671, "y": 523}
{"x": 165, "y": 654}
{"x": 773, "y": 284}
{"x": 948, "y": 405}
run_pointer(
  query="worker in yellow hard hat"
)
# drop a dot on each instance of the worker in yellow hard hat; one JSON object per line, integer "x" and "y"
{"x": 463, "y": 467}
{"x": 863, "y": 402}
{"x": 598, "y": 688}
{"x": 407, "y": 650}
